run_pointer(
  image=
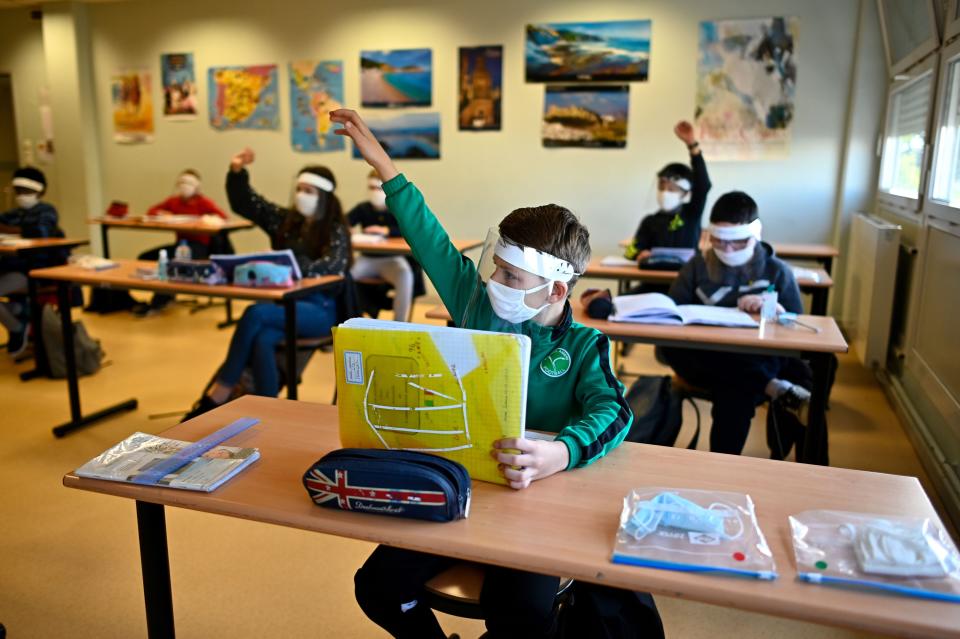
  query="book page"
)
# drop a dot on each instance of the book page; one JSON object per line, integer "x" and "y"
{"x": 647, "y": 308}
{"x": 715, "y": 316}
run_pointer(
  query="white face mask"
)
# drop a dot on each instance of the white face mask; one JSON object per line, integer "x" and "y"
{"x": 27, "y": 200}
{"x": 509, "y": 303}
{"x": 737, "y": 258}
{"x": 669, "y": 200}
{"x": 186, "y": 191}
{"x": 378, "y": 198}
{"x": 307, "y": 203}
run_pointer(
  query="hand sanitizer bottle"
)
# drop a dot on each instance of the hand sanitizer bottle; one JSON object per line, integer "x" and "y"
{"x": 162, "y": 265}
{"x": 183, "y": 251}
{"x": 768, "y": 309}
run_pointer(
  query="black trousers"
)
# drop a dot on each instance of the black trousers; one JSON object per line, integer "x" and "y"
{"x": 389, "y": 589}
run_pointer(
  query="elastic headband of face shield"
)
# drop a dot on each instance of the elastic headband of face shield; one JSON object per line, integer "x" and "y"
{"x": 534, "y": 261}
{"x": 27, "y": 183}
{"x": 738, "y": 232}
{"x": 683, "y": 183}
{"x": 318, "y": 181}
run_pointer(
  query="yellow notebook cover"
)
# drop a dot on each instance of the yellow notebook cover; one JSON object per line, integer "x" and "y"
{"x": 448, "y": 391}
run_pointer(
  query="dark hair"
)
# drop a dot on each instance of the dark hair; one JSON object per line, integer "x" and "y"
{"x": 675, "y": 170}
{"x": 317, "y": 232}
{"x": 552, "y": 229}
{"x": 735, "y": 207}
{"x": 192, "y": 172}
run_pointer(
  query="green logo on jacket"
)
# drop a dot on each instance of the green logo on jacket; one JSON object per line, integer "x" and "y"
{"x": 556, "y": 364}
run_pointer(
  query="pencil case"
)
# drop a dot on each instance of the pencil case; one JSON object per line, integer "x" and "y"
{"x": 390, "y": 482}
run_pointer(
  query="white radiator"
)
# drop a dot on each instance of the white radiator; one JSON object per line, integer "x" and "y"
{"x": 871, "y": 273}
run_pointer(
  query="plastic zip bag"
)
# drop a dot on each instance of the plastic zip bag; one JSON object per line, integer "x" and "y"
{"x": 692, "y": 531}
{"x": 907, "y": 556}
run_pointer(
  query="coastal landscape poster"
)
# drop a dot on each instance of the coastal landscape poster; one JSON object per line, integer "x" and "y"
{"x": 588, "y": 51}
{"x": 408, "y": 136}
{"x": 586, "y": 116}
{"x": 481, "y": 88}
{"x": 399, "y": 78}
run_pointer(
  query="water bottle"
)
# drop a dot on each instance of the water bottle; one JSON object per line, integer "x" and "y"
{"x": 768, "y": 308}
{"x": 183, "y": 251}
{"x": 162, "y": 265}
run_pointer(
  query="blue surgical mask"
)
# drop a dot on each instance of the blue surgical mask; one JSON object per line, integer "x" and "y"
{"x": 669, "y": 510}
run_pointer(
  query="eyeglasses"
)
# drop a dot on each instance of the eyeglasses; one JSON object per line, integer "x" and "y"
{"x": 737, "y": 245}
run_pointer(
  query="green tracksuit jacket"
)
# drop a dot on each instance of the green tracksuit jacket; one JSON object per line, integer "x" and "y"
{"x": 571, "y": 389}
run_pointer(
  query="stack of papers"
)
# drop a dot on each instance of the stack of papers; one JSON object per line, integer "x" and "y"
{"x": 92, "y": 262}
{"x": 657, "y": 308}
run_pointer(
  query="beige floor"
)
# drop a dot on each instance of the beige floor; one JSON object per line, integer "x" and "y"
{"x": 69, "y": 563}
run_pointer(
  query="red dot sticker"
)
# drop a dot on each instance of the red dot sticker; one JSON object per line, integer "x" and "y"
{"x": 739, "y": 556}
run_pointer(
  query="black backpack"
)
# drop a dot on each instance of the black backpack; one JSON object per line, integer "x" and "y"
{"x": 602, "y": 612}
{"x": 658, "y": 411}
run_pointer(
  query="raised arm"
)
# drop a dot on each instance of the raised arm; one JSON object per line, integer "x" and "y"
{"x": 701, "y": 180}
{"x": 248, "y": 203}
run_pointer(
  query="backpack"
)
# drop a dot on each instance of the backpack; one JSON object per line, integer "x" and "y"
{"x": 658, "y": 411}
{"x": 602, "y": 612}
{"x": 89, "y": 355}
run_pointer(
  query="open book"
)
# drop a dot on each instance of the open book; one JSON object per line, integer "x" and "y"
{"x": 141, "y": 451}
{"x": 435, "y": 389}
{"x": 657, "y": 308}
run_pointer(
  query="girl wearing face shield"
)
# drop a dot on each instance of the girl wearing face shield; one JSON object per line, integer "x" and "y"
{"x": 313, "y": 227}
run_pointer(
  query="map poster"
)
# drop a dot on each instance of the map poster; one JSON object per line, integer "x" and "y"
{"x": 244, "y": 97}
{"x": 316, "y": 89}
{"x": 132, "y": 107}
{"x": 746, "y": 88}
{"x": 179, "y": 86}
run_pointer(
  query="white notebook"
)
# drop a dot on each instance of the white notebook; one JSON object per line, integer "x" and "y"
{"x": 657, "y": 308}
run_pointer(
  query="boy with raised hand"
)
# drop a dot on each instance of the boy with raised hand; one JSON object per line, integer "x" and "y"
{"x": 734, "y": 272}
{"x": 571, "y": 388}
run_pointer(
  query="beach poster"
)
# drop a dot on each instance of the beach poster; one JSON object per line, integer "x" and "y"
{"x": 132, "y": 107}
{"x": 586, "y": 116}
{"x": 179, "y": 86}
{"x": 408, "y": 136}
{"x": 244, "y": 97}
{"x": 401, "y": 78}
{"x": 481, "y": 88}
{"x": 588, "y": 51}
{"x": 746, "y": 88}
{"x": 316, "y": 89}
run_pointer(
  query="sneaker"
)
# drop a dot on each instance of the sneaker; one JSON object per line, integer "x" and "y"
{"x": 203, "y": 405}
{"x": 795, "y": 400}
{"x": 18, "y": 341}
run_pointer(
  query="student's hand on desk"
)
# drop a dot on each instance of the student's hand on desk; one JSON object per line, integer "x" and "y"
{"x": 374, "y": 229}
{"x": 537, "y": 459}
{"x": 356, "y": 129}
{"x": 644, "y": 254}
{"x": 753, "y": 304}
{"x": 242, "y": 159}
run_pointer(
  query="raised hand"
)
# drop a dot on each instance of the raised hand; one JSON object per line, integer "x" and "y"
{"x": 684, "y": 130}
{"x": 356, "y": 129}
{"x": 242, "y": 159}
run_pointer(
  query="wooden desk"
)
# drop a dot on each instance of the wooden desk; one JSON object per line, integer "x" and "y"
{"x": 124, "y": 277}
{"x": 817, "y": 286}
{"x": 821, "y": 253}
{"x": 564, "y": 525}
{"x": 147, "y": 224}
{"x": 399, "y": 246}
{"x": 778, "y": 340}
{"x": 22, "y": 246}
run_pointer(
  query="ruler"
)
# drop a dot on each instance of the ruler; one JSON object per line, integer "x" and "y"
{"x": 186, "y": 455}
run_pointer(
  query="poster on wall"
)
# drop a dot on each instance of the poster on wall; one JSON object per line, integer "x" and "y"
{"x": 179, "y": 86}
{"x": 132, "y": 107}
{"x": 244, "y": 97}
{"x": 586, "y": 116}
{"x": 316, "y": 89}
{"x": 588, "y": 51}
{"x": 410, "y": 136}
{"x": 481, "y": 88}
{"x": 746, "y": 88}
{"x": 400, "y": 78}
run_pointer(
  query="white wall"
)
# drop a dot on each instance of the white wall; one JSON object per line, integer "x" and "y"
{"x": 481, "y": 176}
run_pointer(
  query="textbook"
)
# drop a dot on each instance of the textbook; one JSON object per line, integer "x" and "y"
{"x": 657, "y": 308}
{"x": 141, "y": 451}
{"x": 434, "y": 389}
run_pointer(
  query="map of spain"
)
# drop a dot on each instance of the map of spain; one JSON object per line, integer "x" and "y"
{"x": 244, "y": 97}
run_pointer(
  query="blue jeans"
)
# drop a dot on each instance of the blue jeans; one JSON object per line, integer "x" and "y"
{"x": 260, "y": 330}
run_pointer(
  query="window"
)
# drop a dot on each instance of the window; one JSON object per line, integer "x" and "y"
{"x": 946, "y": 167}
{"x": 906, "y": 135}
{"x": 952, "y": 20}
{"x": 909, "y": 30}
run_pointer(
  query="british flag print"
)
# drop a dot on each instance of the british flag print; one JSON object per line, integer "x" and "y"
{"x": 355, "y": 497}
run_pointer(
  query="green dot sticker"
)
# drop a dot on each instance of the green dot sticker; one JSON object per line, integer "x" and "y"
{"x": 821, "y": 565}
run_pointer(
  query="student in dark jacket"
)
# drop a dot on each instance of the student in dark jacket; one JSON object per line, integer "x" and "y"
{"x": 734, "y": 272}
{"x": 31, "y": 218}
{"x": 314, "y": 229}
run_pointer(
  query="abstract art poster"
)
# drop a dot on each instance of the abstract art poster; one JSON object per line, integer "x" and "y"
{"x": 179, "y": 86}
{"x": 244, "y": 97}
{"x": 481, "y": 88}
{"x": 586, "y": 116}
{"x": 398, "y": 78}
{"x": 746, "y": 88}
{"x": 588, "y": 51}
{"x": 407, "y": 136}
{"x": 316, "y": 89}
{"x": 130, "y": 95}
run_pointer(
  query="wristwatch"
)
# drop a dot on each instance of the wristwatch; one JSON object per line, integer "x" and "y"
{"x": 693, "y": 146}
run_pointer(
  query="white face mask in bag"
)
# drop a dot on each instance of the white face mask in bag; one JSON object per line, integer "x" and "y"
{"x": 509, "y": 303}
{"x": 306, "y": 203}
{"x": 27, "y": 200}
{"x": 885, "y": 548}
{"x": 669, "y": 200}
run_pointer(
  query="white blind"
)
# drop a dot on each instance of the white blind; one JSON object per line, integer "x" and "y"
{"x": 910, "y": 109}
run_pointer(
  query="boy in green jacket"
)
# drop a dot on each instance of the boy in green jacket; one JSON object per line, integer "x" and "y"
{"x": 571, "y": 388}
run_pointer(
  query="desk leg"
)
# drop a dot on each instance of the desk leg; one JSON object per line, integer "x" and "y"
{"x": 815, "y": 450}
{"x": 155, "y": 565}
{"x": 105, "y": 240}
{"x": 828, "y": 265}
{"x": 229, "y": 321}
{"x": 818, "y": 301}
{"x": 290, "y": 307}
{"x": 40, "y": 365}
{"x": 77, "y": 419}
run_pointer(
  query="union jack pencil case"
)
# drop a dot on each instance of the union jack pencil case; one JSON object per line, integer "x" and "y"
{"x": 390, "y": 482}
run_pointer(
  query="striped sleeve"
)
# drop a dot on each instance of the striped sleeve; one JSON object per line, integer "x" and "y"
{"x": 606, "y": 416}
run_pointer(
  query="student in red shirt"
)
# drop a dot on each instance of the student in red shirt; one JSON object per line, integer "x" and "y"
{"x": 187, "y": 201}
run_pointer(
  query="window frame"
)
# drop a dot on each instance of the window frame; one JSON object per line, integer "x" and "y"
{"x": 899, "y": 204}
{"x": 951, "y": 22}
{"x": 919, "y": 52}
{"x": 948, "y": 55}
